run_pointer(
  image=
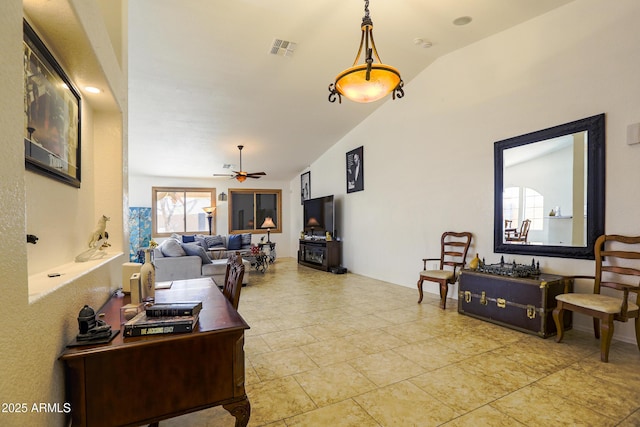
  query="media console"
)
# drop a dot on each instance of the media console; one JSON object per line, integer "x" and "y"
{"x": 320, "y": 254}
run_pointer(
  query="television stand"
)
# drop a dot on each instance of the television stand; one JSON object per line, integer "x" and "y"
{"x": 320, "y": 254}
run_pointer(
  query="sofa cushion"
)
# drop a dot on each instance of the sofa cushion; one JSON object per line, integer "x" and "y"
{"x": 157, "y": 253}
{"x": 213, "y": 241}
{"x": 246, "y": 241}
{"x": 197, "y": 250}
{"x": 235, "y": 242}
{"x": 188, "y": 239}
{"x": 199, "y": 239}
{"x": 172, "y": 247}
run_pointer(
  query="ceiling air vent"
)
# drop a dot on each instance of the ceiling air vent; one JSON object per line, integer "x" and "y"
{"x": 282, "y": 47}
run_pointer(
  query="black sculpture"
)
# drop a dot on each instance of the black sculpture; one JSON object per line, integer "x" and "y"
{"x": 91, "y": 328}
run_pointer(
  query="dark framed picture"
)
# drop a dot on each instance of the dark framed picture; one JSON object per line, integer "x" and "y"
{"x": 51, "y": 114}
{"x": 305, "y": 187}
{"x": 355, "y": 170}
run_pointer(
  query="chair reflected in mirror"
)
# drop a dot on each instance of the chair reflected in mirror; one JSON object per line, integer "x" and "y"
{"x": 453, "y": 254}
{"x": 514, "y": 235}
{"x": 618, "y": 270}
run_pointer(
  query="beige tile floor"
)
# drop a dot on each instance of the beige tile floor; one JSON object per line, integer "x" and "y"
{"x": 347, "y": 350}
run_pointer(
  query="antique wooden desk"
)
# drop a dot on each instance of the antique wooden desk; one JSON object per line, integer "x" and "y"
{"x": 142, "y": 380}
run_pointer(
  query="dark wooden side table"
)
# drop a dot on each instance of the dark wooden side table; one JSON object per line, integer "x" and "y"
{"x": 143, "y": 380}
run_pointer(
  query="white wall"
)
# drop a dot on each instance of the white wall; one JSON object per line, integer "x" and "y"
{"x": 36, "y": 330}
{"x": 428, "y": 157}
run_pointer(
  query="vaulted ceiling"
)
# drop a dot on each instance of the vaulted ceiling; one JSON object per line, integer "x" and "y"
{"x": 203, "y": 80}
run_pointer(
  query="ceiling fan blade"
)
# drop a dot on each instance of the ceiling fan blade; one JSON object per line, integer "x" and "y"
{"x": 256, "y": 173}
{"x": 223, "y": 174}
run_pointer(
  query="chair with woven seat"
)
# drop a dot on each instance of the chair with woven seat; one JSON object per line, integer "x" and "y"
{"x": 618, "y": 269}
{"x": 233, "y": 279}
{"x": 453, "y": 254}
{"x": 515, "y": 235}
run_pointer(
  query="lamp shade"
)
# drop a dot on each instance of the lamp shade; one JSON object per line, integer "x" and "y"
{"x": 354, "y": 85}
{"x": 209, "y": 210}
{"x": 313, "y": 222}
{"x": 268, "y": 223}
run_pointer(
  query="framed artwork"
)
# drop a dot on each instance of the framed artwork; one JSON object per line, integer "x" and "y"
{"x": 51, "y": 114}
{"x": 355, "y": 170}
{"x": 305, "y": 187}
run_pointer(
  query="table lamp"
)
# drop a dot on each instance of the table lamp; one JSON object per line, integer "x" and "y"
{"x": 268, "y": 224}
{"x": 312, "y": 223}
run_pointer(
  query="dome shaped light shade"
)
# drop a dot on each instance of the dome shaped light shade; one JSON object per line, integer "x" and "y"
{"x": 353, "y": 84}
{"x": 370, "y": 81}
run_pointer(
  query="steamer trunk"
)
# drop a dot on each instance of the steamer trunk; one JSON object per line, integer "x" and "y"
{"x": 524, "y": 304}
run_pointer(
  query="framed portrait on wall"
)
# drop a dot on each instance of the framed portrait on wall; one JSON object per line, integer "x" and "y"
{"x": 305, "y": 187}
{"x": 355, "y": 170}
{"x": 51, "y": 114}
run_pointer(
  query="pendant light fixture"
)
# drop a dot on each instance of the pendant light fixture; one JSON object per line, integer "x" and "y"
{"x": 370, "y": 81}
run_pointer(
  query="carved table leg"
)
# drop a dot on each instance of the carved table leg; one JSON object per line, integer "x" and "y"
{"x": 241, "y": 410}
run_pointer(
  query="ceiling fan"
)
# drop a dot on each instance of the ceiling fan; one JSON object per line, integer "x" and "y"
{"x": 241, "y": 175}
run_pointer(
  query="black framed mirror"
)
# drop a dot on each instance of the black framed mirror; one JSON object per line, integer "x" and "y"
{"x": 549, "y": 190}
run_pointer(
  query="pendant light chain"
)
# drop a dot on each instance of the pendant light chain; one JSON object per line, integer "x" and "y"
{"x": 370, "y": 81}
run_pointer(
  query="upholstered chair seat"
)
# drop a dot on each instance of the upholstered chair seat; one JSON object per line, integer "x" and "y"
{"x": 596, "y": 302}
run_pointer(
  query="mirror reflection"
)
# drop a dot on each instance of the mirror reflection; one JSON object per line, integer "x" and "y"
{"x": 549, "y": 190}
{"x": 545, "y": 192}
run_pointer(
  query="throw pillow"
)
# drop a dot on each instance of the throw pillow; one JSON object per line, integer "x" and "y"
{"x": 197, "y": 250}
{"x": 246, "y": 241}
{"x": 199, "y": 239}
{"x": 213, "y": 241}
{"x": 172, "y": 247}
{"x": 188, "y": 239}
{"x": 235, "y": 242}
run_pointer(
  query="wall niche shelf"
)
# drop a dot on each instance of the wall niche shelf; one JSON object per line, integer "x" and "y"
{"x": 40, "y": 284}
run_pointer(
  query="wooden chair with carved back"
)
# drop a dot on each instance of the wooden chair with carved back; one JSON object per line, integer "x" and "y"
{"x": 519, "y": 236}
{"x": 453, "y": 254}
{"x": 233, "y": 279}
{"x": 617, "y": 271}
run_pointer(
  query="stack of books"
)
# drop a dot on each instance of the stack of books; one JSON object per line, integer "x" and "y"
{"x": 164, "y": 318}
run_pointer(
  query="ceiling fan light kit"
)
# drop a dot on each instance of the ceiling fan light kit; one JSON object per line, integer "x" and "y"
{"x": 241, "y": 176}
{"x": 370, "y": 81}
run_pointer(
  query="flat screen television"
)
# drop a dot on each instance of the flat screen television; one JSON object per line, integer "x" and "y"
{"x": 319, "y": 215}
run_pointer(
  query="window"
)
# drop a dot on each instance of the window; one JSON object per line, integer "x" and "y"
{"x": 517, "y": 201}
{"x": 180, "y": 210}
{"x": 248, "y": 209}
{"x": 533, "y": 208}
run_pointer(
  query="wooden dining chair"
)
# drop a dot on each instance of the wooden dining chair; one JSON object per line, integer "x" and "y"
{"x": 233, "y": 279}
{"x": 519, "y": 235}
{"x": 618, "y": 270}
{"x": 453, "y": 254}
